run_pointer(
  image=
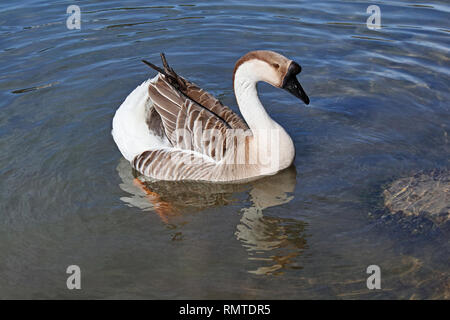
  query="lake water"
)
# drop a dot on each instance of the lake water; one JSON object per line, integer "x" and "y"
{"x": 379, "y": 111}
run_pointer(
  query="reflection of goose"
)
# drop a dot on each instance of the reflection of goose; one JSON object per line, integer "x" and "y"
{"x": 271, "y": 240}
{"x": 180, "y": 196}
{"x": 149, "y": 195}
{"x": 267, "y": 239}
{"x": 170, "y": 129}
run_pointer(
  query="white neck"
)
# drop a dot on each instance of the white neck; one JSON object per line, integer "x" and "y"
{"x": 251, "y": 108}
{"x": 245, "y": 79}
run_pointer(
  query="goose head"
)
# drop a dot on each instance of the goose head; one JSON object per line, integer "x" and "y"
{"x": 270, "y": 67}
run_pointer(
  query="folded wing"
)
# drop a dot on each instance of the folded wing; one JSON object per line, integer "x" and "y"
{"x": 187, "y": 125}
{"x": 192, "y": 118}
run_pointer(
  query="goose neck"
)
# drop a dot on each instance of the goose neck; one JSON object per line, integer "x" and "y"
{"x": 249, "y": 104}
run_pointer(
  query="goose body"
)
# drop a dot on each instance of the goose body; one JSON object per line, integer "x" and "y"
{"x": 171, "y": 129}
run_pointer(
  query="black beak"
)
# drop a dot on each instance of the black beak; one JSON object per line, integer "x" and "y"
{"x": 291, "y": 84}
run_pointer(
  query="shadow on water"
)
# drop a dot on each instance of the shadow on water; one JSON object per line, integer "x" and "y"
{"x": 273, "y": 242}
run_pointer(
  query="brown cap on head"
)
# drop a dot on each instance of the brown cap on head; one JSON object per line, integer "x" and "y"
{"x": 276, "y": 60}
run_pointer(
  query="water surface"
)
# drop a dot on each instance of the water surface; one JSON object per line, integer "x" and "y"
{"x": 379, "y": 111}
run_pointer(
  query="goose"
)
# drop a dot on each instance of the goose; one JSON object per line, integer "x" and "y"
{"x": 170, "y": 129}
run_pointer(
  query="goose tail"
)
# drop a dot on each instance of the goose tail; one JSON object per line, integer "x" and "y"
{"x": 173, "y": 78}
{"x": 129, "y": 128}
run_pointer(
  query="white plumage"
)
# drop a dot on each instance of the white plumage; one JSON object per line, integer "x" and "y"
{"x": 129, "y": 130}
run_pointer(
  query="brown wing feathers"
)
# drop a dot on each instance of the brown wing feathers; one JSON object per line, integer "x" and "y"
{"x": 185, "y": 123}
{"x": 199, "y": 96}
{"x": 187, "y": 114}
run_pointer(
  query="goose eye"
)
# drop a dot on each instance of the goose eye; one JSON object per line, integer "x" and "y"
{"x": 276, "y": 65}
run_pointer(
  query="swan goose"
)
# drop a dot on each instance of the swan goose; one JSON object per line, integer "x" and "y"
{"x": 171, "y": 129}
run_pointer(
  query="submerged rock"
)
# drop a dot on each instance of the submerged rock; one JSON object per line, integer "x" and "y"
{"x": 424, "y": 195}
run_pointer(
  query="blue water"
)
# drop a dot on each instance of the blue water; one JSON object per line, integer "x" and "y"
{"x": 379, "y": 111}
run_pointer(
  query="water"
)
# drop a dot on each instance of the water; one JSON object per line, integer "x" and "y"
{"x": 379, "y": 110}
